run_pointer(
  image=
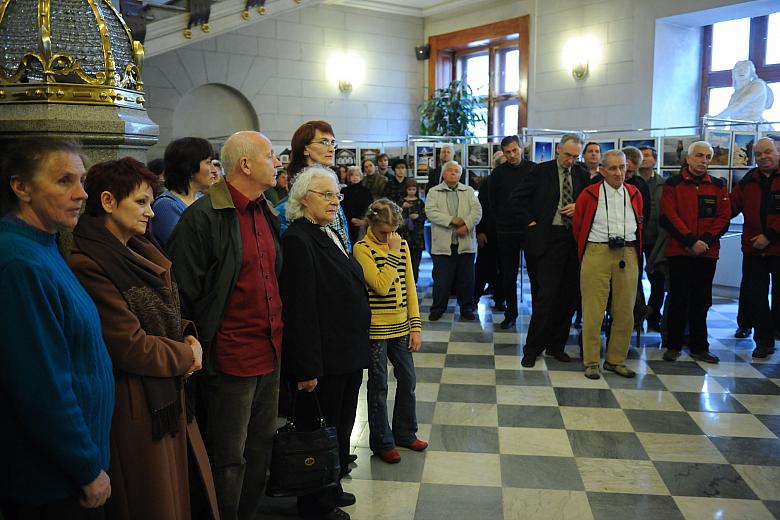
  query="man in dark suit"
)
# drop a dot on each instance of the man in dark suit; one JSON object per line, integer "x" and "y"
{"x": 544, "y": 201}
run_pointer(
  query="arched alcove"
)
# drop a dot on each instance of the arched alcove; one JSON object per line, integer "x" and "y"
{"x": 213, "y": 111}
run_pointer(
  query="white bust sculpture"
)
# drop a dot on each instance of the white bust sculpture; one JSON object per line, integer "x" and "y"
{"x": 751, "y": 94}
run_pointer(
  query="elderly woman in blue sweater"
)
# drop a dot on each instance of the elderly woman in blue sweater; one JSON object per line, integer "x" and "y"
{"x": 56, "y": 384}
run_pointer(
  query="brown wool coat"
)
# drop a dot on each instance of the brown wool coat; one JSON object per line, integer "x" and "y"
{"x": 149, "y": 479}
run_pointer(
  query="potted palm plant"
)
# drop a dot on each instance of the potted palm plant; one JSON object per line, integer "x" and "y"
{"x": 451, "y": 111}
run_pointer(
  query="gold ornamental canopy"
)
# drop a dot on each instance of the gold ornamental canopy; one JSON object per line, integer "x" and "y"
{"x": 68, "y": 51}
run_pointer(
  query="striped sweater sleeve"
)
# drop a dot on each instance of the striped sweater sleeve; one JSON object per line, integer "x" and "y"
{"x": 380, "y": 280}
{"x": 413, "y": 306}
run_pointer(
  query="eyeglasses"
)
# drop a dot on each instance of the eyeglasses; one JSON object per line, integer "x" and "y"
{"x": 329, "y": 195}
{"x": 327, "y": 143}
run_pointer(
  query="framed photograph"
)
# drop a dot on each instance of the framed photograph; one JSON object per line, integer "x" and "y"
{"x": 722, "y": 174}
{"x": 774, "y": 135}
{"x": 639, "y": 143}
{"x": 346, "y": 156}
{"x": 737, "y": 175}
{"x": 543, "y": 149}
{"x": 369, "y": 154}
{"x": 457, "y": 154}
{"x": 479, "y": 155}
{"x": 675, "y": 150}
{"x": 424, "y": 158}
{"x": 476, "y": 176}
{"x": 721, "y": 146}
{"x": 742, "y": 150}
{"x": 605, "y": 145}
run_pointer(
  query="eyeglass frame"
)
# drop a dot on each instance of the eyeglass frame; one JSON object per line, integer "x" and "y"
{"x": 327, "y": 143}
{"x": 329, "y": 195}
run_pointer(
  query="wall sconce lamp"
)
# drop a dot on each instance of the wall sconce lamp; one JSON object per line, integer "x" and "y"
{"x": 346, "y": 70}
{"x": 579, "y": 54}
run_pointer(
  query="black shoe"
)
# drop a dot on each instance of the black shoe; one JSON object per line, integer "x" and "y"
{"x": 345, "y": 499}
{"x": 528, "y": 361}
{"x": 762, "y": 352}
{"x": 671, "y": 354}
{"x": 352, "y": 457}
{"x": 654, "y": 326}
{"x": 336, "y": 514}
{"x": 508, "y": 323}
{"x": 467, "y": 316}
{"x": 499, "y": 306}
{"x": 743, "y": 333}
{"x": 562, "y": 356}
{"x": 435, "y": 316}
{"x": 706, "y": 357}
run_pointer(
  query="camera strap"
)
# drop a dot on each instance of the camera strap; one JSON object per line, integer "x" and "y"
{"x": 606, "y": 207}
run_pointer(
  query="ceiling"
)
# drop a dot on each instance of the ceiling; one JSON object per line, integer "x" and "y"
{"x": 420, "y": 8}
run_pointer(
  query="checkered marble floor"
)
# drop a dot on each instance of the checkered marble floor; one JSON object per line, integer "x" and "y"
{"x": 683, "y": 440}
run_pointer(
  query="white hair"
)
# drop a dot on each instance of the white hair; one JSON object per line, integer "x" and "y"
{"x": 449, "y": 146}
{"x": 301, "y": 186}
{"x": 450, "y": 163}
{"x": 699, "y": 143}
{"x": 610, "y": 153}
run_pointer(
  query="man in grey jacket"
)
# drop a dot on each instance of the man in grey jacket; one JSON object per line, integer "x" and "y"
{"x": 454, "y": 212}
{"x": 655, "y": 183}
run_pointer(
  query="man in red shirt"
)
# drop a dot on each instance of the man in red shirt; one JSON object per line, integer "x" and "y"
{"x": 226, "y": 258}
{"x": 695, "y": 210}
{"x": 758, "y": 196}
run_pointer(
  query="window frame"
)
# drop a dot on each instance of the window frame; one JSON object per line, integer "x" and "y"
{"x": 447, "y": 49}
{"x": 756, "y": 53}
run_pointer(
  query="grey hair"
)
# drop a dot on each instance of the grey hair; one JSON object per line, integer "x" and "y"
{"x": 693, "y": 145}
{"x": 448, "y": 145}
{"x": 633, "y": 154}
{"x": 237, "y": 146}
{"x": 447, "y": 165}
{"x": 610, "y": 153}
{"x": 301, "y": 187}
{"x": 575, "y": 138}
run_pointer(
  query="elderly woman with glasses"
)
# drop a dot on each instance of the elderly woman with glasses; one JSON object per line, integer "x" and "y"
{"x": 314, "y": 143}
{"x": 327, "y": 317}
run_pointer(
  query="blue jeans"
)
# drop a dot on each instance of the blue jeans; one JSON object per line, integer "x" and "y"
{"x": 381, "y": 437}
{"x": 457, "y": 268}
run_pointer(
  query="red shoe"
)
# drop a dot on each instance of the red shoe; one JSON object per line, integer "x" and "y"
{"x": 390, "y": 456}
{"x": 417, "y": 445}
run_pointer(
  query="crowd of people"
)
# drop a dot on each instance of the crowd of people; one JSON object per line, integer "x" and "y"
{"x": 149, "y": 332}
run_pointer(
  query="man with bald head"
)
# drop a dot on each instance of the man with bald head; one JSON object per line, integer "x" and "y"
{"x": 226, "y": 259}
{"x": 757, "y": 197}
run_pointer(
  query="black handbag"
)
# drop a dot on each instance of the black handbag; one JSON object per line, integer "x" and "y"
{"x": 303, "y": 462}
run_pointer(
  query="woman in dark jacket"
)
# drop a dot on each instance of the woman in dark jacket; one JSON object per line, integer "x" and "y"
{"x": 357, "y": 198}
{"x": 153, "y": 350}
{"x": 326, "y": 317}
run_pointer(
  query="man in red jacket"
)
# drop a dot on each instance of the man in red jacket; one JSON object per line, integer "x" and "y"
{"x": 695, "y": 210}
{"x": 758, "y": 196}
{"x": 607, "y": 225}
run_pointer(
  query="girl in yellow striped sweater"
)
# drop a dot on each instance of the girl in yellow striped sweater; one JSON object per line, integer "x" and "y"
{"x": 394, "y": 333}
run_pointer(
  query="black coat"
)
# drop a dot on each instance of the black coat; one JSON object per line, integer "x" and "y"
{"x": 503, "y": 180}
{"x": 536, "y": 200}
{"x": 325, "y": 306}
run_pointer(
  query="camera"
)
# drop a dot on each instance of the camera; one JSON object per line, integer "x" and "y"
{"x": 617, "y": 242}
